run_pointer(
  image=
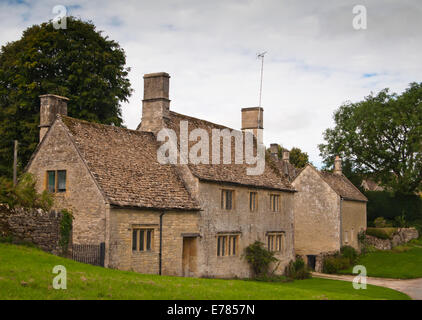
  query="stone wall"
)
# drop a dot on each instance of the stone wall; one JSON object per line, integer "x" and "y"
{"x": 402, "y": 236}
{"x": 317, "y": 215}
{"x": 82, "y": 196}
{"x": 175, "y": 224}
{"x": 32, "y": 225}
{"x": 249, "y": 225}
{"x": 353, "y": 221}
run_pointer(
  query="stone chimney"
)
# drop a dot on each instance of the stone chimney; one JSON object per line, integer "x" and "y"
{"x": 51, "y": 105}
{"x": 286, "y": 155}
{"x": 337, "y": 165}
{"x": 274, "y": 150}
{"x": 253, "y": 119}
{"x": 156, "y": 103}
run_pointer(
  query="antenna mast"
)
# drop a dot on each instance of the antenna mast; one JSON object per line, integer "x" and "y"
{"x": 261, "y": 56}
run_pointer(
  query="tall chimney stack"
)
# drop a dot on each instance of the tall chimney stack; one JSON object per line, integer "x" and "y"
{"x": 253, "y": 119}
{"x": 51, "y": 105}
{"x": 286, "y": 155}
{"x": 337, "y": 165}
{"x": 156, "y": 103}
{"x": 274, "y": 150}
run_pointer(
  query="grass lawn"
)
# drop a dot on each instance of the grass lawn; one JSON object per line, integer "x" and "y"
{"x": 403, "y": 262}
{"x": 26, "y": 273}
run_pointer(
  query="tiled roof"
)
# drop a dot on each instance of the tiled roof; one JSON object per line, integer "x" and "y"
{"x": 286, "y": 169}
{"x": 228, "y": 173}
{"x": 124, "y": 164}
{"x": 342, "y": 186}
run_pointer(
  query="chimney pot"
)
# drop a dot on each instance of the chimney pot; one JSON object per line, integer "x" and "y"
{"x": 286, "y": 155}
{"x": 156, "y": 103}
{"x": 337, "y": 165}
{"x": 50, "y": 106}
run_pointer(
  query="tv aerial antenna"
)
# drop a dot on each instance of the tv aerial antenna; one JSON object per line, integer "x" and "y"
{"x": 261, "y": 56}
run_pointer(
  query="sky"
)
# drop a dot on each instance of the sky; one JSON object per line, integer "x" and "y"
{"x": 316, "y": 60}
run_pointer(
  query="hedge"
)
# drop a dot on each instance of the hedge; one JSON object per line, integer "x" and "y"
{"x": 384, "y": 204}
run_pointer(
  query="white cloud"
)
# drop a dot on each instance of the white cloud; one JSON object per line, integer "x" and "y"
{"x": 315, "y": 59}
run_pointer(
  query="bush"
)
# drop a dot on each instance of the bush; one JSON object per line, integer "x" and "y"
{"x": 259, "y": 258}
{"x": 297, "y": 269}
{"x": 333, "y": 264}
{"x": 24, "y": 194}
{"x": 380, "y": 222}
{"x": 381, "y": 233}
{"x": 349, "y": 253}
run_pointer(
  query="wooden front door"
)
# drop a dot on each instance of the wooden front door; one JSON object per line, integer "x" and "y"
{"x": 189, "y": 256}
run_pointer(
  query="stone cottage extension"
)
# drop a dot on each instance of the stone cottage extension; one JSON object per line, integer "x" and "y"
{"x": 329, "y": 212}
{"x": 185, "y": 219}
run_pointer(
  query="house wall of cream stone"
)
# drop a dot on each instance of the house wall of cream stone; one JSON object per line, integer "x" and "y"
{"x": 82, "y": 195}
{"x": 317, "y": 214}
{"x": 175, "y": 225}
{"x": 353, "y": 221}
{"x": 250, "y": 226}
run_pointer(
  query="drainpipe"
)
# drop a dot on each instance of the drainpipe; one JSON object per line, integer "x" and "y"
{"x": 341, "y": 221}
{"x": 161, "y": 243}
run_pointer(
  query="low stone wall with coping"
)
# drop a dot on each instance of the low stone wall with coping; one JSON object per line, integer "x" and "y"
{"x": 401, "y": 236}
{"x": 32, "y": 225}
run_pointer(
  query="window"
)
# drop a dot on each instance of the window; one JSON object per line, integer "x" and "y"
{"x": 346, "y": 237}
{"x": 275, "y": 202}
{"x": 56, "y": 181}
{"x": 253, "y": 201}
{"x": 142, "y": 239}
{"x": 227, "y": 199}
{"x": 51, "y": 181}
{"x": 276, "y": 241}
{"x": 227, "y": 245}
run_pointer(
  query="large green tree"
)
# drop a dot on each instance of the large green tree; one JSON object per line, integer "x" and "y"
{"x": 77, "y": 62}
{"x": 381, "y": 135}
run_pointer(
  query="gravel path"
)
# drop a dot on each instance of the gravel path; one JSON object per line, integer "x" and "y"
{"x": 411, "y": 287}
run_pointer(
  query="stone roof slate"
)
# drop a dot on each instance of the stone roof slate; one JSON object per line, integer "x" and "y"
{"x": 228, "y": 173}
{"x": 123, "y": 163}
{"x": 342, "y": 186}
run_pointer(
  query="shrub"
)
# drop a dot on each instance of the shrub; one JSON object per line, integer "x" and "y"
{"x": 349, "y": 253}
{"x": 380, "y": 222}
{"x": 381, "y": 233}
{"x": 24, "y": 194}
{"x": 297, "y": 269}
{"x": 400, "y": 221}
{"x": 333, "y": 264}
{"x": 259, "y": 258}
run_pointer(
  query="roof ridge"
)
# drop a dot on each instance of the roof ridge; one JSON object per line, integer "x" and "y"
{"x": 103, "y": 124}
{"x": 194, "y": 118}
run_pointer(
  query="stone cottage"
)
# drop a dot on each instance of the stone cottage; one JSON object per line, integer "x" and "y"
{"x": 175, "y": 219}
{"x": 329, "y": 212}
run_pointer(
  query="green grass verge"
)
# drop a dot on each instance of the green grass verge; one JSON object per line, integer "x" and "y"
{"x": 403, "y": 262}
{"x": 26, "y": 273}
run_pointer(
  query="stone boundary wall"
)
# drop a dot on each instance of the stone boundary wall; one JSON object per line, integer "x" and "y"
{"x": 402, "y": 236}
{"x": 32, "y": 225}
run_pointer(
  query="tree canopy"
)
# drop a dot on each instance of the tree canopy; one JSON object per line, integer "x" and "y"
{"x": 298, "y": 158}
{"x": 382, "y": 136}
{"x": 78, "y": 63}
